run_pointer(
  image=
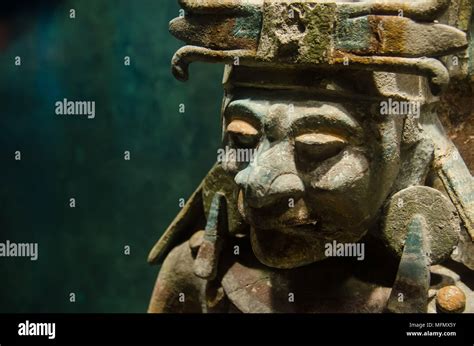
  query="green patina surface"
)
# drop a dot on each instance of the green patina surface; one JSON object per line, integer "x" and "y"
{"x": 413, "y": 263}
{"x": 353, "y": 34}
{"x": 413, "y": 273}
{"x": 465, "y": 15}
{"x": 248, "y": 26}
{"x": 319, "y": 30}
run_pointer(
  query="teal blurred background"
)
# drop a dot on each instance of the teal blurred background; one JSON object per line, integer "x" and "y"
{"x": 118, "y": 202}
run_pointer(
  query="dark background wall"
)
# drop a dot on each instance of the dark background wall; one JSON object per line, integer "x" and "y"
{"x": 118, "y": 202}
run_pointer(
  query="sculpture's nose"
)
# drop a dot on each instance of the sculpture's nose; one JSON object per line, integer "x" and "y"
{"x": 271, "y": 177}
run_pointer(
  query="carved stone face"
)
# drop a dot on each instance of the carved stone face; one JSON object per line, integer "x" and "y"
{"x": 320, "y": 171}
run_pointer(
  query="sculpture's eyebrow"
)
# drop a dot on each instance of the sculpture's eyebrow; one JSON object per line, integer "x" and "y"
{"x": 246, "y": 109}
{"x": 326, "y": 118}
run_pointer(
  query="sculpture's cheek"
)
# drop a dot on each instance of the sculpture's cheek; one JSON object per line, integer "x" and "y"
{"x": 342, "y": 172}
{"x": 339, "y": 194}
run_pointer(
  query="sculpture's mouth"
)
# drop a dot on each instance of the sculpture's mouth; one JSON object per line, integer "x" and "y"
{"x": 311, "y": 229}
{"x": 287, "y": 218}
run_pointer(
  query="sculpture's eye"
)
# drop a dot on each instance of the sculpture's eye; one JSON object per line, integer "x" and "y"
{"x": 316, "y": 147}
{"x": 242, "y": 134}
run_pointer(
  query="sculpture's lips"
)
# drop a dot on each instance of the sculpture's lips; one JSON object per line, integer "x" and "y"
{"x": 293, "y": 229}
{"x": 278, "y": 215}
{"x": 290, "y": 225}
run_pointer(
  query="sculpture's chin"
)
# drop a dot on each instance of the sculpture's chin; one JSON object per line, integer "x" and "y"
{"x": 287, "y": 248}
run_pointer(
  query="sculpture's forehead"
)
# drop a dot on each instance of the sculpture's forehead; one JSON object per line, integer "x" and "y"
{"x": 285, "y": 113}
